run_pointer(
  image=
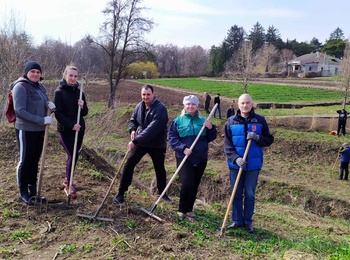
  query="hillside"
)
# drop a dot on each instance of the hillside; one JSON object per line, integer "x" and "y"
{"x": 302, "y": 209}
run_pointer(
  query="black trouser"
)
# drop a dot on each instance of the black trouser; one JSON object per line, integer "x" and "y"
{"x": 190, "y": 177}
{"x": 30, "y": 147}
{"x": 67, "y": 139}
{"x": 341, "y": 126}
{"x": 158, "y": 159}
{"x": 344, "y": 167}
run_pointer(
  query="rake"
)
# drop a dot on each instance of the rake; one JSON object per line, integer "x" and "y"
{"x": 95, "y": 216}
{"x": 150, "y": 213}
{"x": 234, "y": 189}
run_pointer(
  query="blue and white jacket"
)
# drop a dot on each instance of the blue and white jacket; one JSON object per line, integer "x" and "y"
{"x": 235, "y": 141}
{"x": 182, "y": 133}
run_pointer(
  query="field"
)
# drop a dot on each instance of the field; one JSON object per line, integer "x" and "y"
{"x": 302, "y": 209}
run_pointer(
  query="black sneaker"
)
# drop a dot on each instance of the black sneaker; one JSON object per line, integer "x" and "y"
{"x": 166, "y": 198}
{"x": 249, "y": 228}
{"x": 26, "y": 199}
{"x": 119, "y": 199}
{"x": 234, "y": 226}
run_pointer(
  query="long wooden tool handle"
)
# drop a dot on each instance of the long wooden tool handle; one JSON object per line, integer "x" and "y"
{"x": 75, "y": 142}
{"x": 234, "y": 189}
{"x": 183, "y": 160}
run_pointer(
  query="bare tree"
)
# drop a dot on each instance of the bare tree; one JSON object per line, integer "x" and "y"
{"x": 245, "y": 63}
{"x": 345, "y": 73}
{"x": 121, "y": 38}
{"x": 15, "y": 46}
{"x": 196, "y": 61}
{"x": 267, "y": 57}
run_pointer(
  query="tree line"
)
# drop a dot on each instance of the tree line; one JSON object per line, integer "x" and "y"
{"x": 120, "y": 50}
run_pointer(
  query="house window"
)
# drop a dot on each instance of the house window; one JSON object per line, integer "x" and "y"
{"x": 310, "y": 68}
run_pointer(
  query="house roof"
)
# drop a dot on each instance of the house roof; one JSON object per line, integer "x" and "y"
{"x": 315, "y": 57}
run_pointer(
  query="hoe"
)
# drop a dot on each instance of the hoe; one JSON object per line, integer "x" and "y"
{"x": 150, "y": 213}
{"x": 95, "y": 216}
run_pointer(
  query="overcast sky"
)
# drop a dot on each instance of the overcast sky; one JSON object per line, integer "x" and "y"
{"x": 184, "y": 22}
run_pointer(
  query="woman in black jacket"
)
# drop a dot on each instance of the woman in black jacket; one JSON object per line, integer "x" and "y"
{"x": 67, "y": 102}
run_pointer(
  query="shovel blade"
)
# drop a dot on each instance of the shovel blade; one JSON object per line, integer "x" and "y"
{"x": 95, "y": 218}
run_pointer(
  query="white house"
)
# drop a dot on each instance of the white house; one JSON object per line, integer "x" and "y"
{"x": 316, "y": 62}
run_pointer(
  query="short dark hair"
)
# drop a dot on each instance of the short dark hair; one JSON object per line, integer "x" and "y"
{"x": 148, "y": 87}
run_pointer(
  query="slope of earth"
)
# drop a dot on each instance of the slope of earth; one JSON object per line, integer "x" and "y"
{"x": 298, "y": 195}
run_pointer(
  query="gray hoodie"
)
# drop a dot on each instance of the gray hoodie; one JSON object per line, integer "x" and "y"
{"x": 30, "y": 104}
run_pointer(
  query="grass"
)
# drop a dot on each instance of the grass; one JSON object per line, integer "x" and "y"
{"x": 260, "y": 92}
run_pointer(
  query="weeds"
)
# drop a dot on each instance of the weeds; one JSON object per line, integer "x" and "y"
{"x": 21, "y": 234}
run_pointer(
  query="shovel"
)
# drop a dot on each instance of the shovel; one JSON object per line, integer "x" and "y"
{"x": 150, "y": 213}
{"x": 95, "y": 216}
{"x": 234, "y": 189}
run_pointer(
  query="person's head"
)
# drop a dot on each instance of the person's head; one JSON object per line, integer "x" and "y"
{"x": 147, "y": 94}
{"x": 218, "y": 94}
{"x": 345, "y": 145}
{"x": 190, "y": 103}
{"x": 32, "y": 71}
{"x": 245, "y": 104}
{"x": 70, "y": 74}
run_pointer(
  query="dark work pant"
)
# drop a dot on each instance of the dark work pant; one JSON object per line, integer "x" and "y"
{"x": 190, "y": 177}
{"x": 158, "y": 159}
{"x": 341, "y": 127}
{"x": 67, "y": 139}
{"x": 30, "y": 147}
{"x": 344, "y": 167}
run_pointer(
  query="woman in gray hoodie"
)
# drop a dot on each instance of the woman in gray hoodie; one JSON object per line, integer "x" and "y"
{"x": 31, "y": 104}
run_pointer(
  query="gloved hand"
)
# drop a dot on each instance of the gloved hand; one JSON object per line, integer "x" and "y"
{"x": 252, "y": 135}
{"x": 240, "y": 162}
{"x": 51, "y": 106}
{"x": 47, "y": 120}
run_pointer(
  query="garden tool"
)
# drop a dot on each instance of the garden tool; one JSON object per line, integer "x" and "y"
{"x": 95, "y": 216}
{"x": 150, "y": 213}
{"x": 234, "y": 188}
{"x": 38, "y": 198}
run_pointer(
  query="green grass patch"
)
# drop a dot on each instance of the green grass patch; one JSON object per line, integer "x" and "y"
{"x": 260, "y": 92}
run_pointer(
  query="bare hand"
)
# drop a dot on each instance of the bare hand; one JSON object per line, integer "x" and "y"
{"x": 208, "y": 125}
{"x": 76, "y": 127}
{"x": 187, "y": 152}
{"x": 131, "y": 146}
{"x": 133, "y": 135}
{"x": 81, "y": 103}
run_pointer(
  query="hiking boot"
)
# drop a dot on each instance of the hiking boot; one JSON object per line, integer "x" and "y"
{"x": 119, "y": 198}
{"x": 234, "y": 226}
{"x": 73, "y": 193}
{"x": 26, "y": 199}
{"x": 66, "y": 183}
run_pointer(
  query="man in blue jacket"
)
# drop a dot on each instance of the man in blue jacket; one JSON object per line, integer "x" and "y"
{"x": 148, "y": 134}
{"x": 241, "y": 127}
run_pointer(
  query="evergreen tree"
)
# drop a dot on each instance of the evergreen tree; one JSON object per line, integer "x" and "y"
{"x": 337, "y": 34}
{"x": 233, "y": 41}
{"x": 315, "y": 44}
{"x": 257, "y": 37}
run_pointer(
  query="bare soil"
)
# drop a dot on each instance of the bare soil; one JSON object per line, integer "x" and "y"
{"x": 56, "y": 232}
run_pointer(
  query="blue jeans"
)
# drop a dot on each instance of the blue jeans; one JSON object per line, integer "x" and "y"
{"x": 242, "y": 213}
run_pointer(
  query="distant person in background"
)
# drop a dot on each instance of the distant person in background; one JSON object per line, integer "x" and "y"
{"x": 182, "y": 133}
{"x": 343, "y": 114}
{"x": 217, "y": 101}
{"x": 344, "y": 162}
{"x": 30, "y": 104}
{"x": 207, "y": 102}
{"x": 67, "y": 102}
{"x": 230, "y": 111}
{"x": 241, "y": 127}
